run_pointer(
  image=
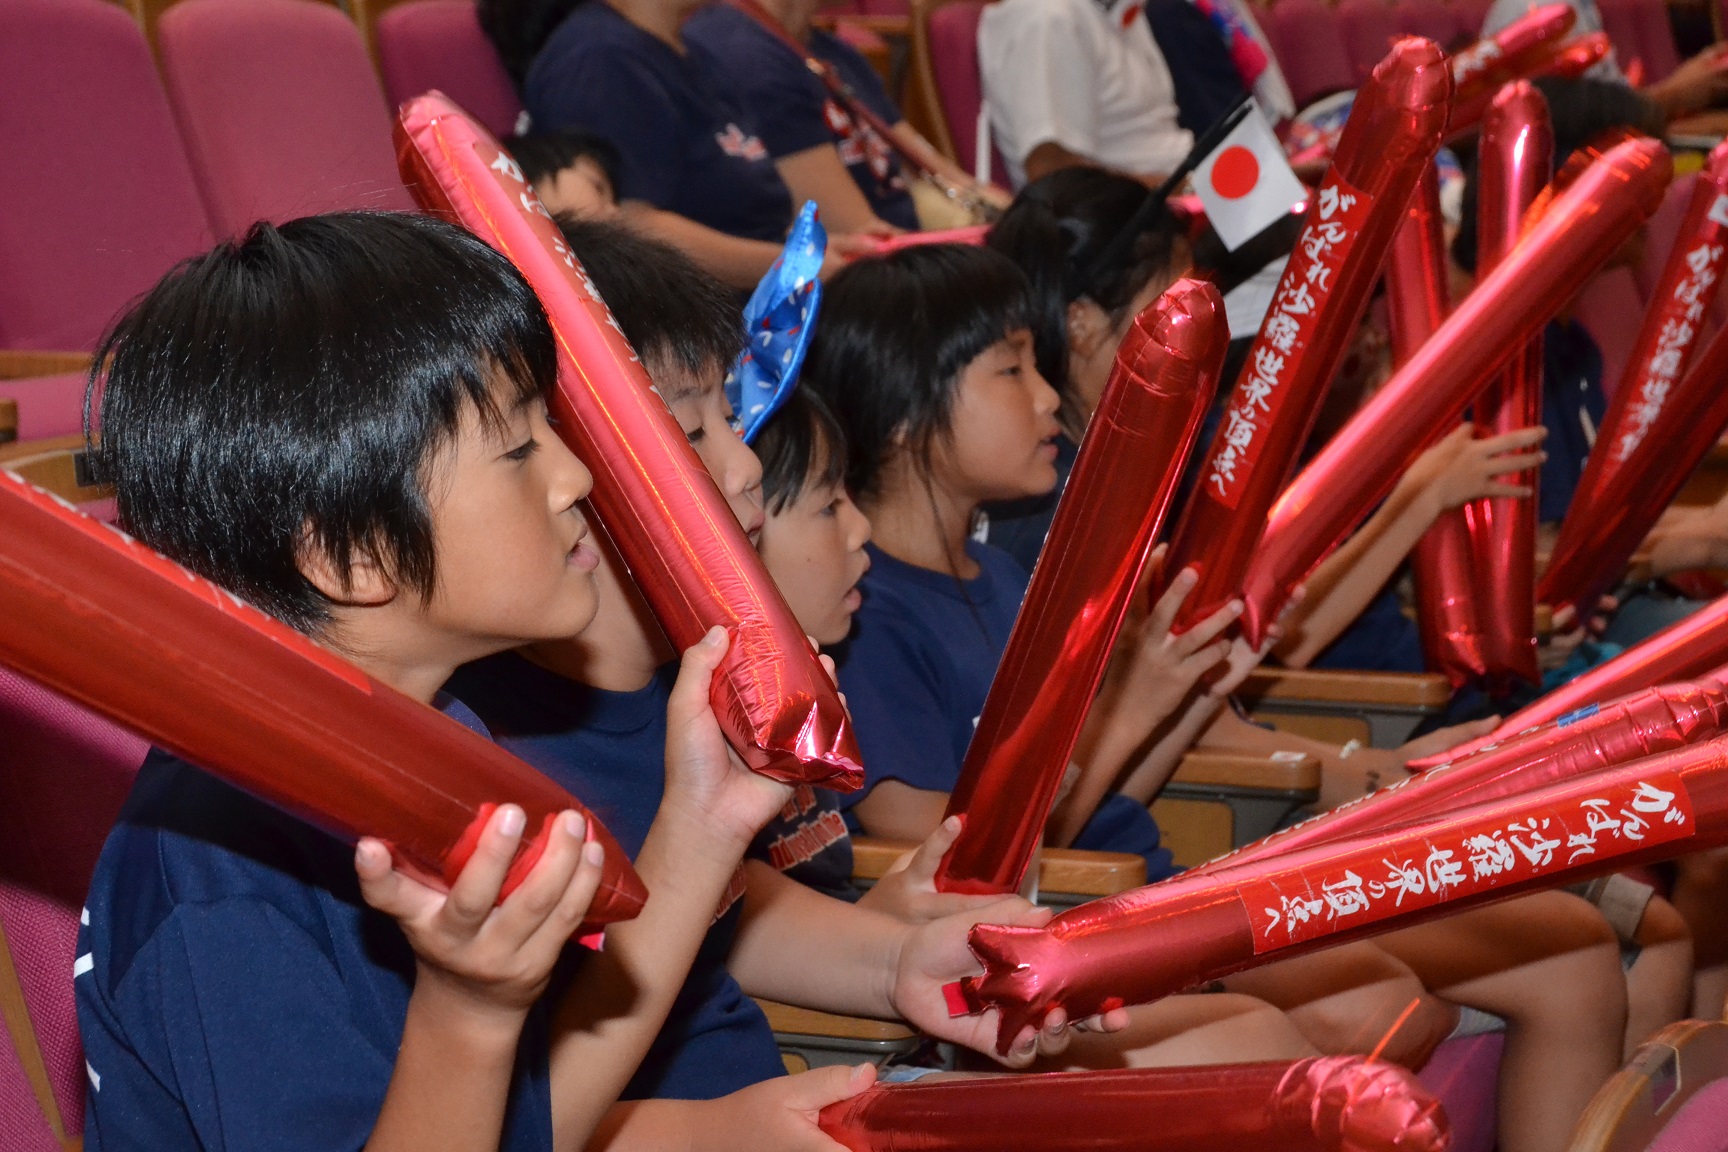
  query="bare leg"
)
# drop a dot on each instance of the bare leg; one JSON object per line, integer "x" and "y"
{"x": 1188, "y": 1029}
{"x": 1659, "y": 984}
{"x": 1350, "y": 999}
{"x": 1550, "y": 965}
{"x": 1701, "y": 898}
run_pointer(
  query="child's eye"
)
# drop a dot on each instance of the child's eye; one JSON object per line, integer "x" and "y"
{"x": 522, "y": 453}
{"x": 696, "y": 434}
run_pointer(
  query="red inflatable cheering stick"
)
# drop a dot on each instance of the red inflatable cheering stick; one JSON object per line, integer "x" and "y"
{"x": 1643, "y": 724}
{"x": 1694, "y": 646}
{"x": 1325, "y": 1104}
{"x": 1388, "y": 142}
{"x": 1602, "y": 531}
{"x": 1418, "y": 300}
{"x": 662, "y": 511}
{"x": 1148, "y": 943}
{"x": 1129, "y": 464}
{"x": 1580, "y": 228}
{"x": 100, "y": 618}
{"x": 1529, "y": 46}
{"x": 1516, "y": 157}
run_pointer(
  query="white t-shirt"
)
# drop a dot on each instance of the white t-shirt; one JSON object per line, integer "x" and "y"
{"x": 1082, "y": 74}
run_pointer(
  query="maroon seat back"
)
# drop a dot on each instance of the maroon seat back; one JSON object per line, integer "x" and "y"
{"x": 64, "y": 773}
{"x": 1311, "y": 49}
{"x": 1464, "y": 1073}
{"x": 281, "y": 111}
{"x": 1611, "y": 309}
{"x": 1437, "y": 21}
{"x": 959, "y": 85}
{"x": 426, "y": 44}
{"x": 1656, "y": 39}
{"x": 97, "y": 198}
{"x": 47, "y": 405}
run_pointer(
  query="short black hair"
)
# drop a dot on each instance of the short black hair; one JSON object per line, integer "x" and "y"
{"x": 289, "y": 389}
{"x": 801, "y": 446}
{"x": 545, "y": 154}
{"x": 892, "y": 338}
{"x": 673, "y": 313}
{"x": 1057, "y": 229}
{"x": 1581, "y": 111}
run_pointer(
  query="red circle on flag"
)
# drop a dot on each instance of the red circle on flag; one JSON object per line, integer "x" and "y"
{"x": 1235, "y": 172}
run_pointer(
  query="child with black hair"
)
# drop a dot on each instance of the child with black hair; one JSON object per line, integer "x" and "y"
{"x": 343, "y": 420}
{"x": 571, "y": 171}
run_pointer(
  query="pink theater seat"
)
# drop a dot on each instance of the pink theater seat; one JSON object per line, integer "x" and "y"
{"x": 1699, "y": 1125}
{"x": 64, "y": 774}
{"x": 1625, "y": 28}
{"x": 1472, "y": 14}
{"x": 1310, "y": 46}
{"x": 1656, "y": 39}
{"x": 426, "y": 44}
{"x": 1465, "y": 1074}
{"x": 1369, "y": 28}
{"x": 47, "y": 405}
{"x": 281, "y": 110}
{"x": 959, "y": 85}
{"x": 97, "y": 198}
{"x": 1611, "y": 308}
{"x": 1439, "y": 22}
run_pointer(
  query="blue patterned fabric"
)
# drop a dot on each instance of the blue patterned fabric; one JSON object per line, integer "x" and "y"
{"x": 780, "y": 318}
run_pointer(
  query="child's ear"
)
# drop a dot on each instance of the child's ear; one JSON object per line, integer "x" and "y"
{"x": 366, "y": 585}
{"x": 1088, "y": 326}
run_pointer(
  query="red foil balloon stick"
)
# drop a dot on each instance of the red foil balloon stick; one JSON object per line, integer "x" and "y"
{"x": 1516, "y": 159}
{"x": 1324, "y": 1104}
{"x": 685, "y": 549}
{"x": 1580, "y": 229}
{"x": 1601, "y": 532}
{"x": 1690, "y": 647}
{"x": 100, "y": 618}
{"x": 1673, "y": 328}
{"x": 1124, "y": 478}
{"x": 1418, "y": 300}
{"x": 1526, "y": 47}
{"x": 1388, "y": 142}
{"x": 1642, "y": 724}
{"x": 1141, "y": 945}
{"x": 1579, "y": 55}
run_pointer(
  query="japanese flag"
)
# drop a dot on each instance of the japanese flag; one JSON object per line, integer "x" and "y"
{"x": 1245, "y": 183}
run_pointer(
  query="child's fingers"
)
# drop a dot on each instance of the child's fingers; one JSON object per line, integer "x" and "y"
{"x": 574, "y": 902}
{"x": 388, "y": 890}
{"x": 1517, "y": 462}
{"x": 1512, "y": 441}
{"x": 816, "y": 1089}
{"x": 1510, "y": 491}
{"x": 689, "y": 699}
{"x": 482, "y": 878}
{"x": 1170, "y": 603}
{"x": 1208, "y": 629}
{"x": 1203, "y": 661}
{"x": 921, "y": 868}
{"x": 526, "y": 909}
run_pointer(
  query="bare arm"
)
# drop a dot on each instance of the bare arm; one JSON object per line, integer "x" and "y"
{"x": 817, "y": 174}
{"x": 796, "y": 945}
{"x": 734, "y": 261}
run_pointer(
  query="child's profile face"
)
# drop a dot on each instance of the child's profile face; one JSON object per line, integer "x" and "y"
{"x": 698, "y": 403}
{"x": 514, "y": 562}
{"x": 581, "y": 189}
{"x": 1002, "y": 442}
{"x": 813, "y": 547}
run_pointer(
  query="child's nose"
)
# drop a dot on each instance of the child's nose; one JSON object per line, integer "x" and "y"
{"x": 571, "y": 480}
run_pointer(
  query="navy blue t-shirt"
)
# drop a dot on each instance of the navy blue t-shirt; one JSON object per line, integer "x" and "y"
{"x": 1381, "y": 639}
{"x": 685, "y": 141}
{"x": 235, "y": 991}
{"x": 1573, "y": 405}
{"x": 609, "y": 748}
{"x": 794, "y": 111}
{"x": 916, "y": 670}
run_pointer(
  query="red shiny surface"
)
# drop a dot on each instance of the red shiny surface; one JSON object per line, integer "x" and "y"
{"x": 1642, "y": 724}
{"x": 1388, "y": 142}
{"x": 1145, "y": 944}
{"x": 1634, "y": 432}
{"x": 684, "y": 548}
{"x": 100, "y": 618}
{"x": 1579, "y": 55}
{"x": 1418, "y": 299}
{"x": 1516, "y": 159}
{"x": 1123, "y": 480}
{"x": 1580, "y": 228}
{"x": 1323, "y": 1104}
{"x": 1529, "y": 46}
{"x": 1693, "y": 646}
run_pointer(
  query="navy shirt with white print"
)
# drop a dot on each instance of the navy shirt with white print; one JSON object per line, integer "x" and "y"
{"x": 685, "y": 141}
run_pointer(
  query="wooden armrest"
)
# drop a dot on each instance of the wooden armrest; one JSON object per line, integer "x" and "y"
{"x": 881, "y": 25}
{"x": 62, "y": 472}
{"x": 18, "y": 363}
{"x": 787, "y": 1019}
{"x": 1229, "y": 770}
{"x": 1423, "y": 690}
{"x": 1069, "y": 870}
{"x": 27, "y": 449}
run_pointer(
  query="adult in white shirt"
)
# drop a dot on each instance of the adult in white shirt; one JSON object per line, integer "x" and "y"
{"x": 1072, "y": 82}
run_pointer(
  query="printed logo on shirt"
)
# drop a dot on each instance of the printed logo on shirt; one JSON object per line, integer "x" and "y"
{"x": 859, "y": 143}
{"x": 809, "y": 839}
{"x": 736, "y": 142}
